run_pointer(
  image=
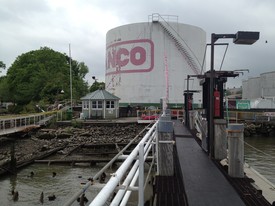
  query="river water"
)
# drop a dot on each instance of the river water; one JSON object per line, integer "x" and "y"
{"x": 66, "y": 183}
{"x": 259, "y": 153}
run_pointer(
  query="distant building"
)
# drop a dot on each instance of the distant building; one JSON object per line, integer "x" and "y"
{"x": 260, "y": 90}
{"x": 100, "y": 104}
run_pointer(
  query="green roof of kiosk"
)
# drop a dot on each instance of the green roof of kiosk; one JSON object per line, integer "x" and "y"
{"x": 100, "y": 94}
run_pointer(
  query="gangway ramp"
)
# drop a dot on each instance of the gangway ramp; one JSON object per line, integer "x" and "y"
{"x": 203, "y": 182}
{"x": 24, "y": 123}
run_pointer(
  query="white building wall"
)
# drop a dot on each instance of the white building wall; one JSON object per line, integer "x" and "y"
{"x": 253, "y": 88}
{"x": 144, "y": 80}
{"x": 259, "y": 87}
{"x": 245, "y": 89}
{"x": 267, "y": 84}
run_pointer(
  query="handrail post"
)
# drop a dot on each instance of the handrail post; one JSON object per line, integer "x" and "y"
{"x": 141, "y": 175}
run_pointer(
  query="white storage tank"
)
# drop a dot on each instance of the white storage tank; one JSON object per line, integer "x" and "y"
{"x": 143, "y": 58}
{"x": 245, "y": 89}
{"x": 253, "y": 88}
{"x": 267, "y": 84}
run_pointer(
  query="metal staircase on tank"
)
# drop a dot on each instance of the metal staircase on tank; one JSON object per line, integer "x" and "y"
{"x": 184, "y": 49}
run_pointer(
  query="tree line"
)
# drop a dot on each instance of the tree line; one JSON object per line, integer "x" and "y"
{"x": 42, "y": 77}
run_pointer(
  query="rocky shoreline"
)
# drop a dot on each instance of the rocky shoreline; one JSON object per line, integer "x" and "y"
{"x": 63, "y": 139}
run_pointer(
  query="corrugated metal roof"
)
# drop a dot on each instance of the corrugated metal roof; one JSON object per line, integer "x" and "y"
{"x": 100, "y": 94}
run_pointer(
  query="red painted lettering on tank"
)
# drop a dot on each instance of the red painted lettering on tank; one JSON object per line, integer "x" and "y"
{"x": 132, "y": 56}
{"x": 111, "y": 59}
{"x": 122, "y": 57}
{"x": 138, "y": 55}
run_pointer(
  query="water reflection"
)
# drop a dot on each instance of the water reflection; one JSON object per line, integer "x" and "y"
{"x": 261, "y": 155}
{"x": 68, "y": 181}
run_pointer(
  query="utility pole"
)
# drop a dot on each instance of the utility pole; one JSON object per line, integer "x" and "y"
{"x": 71, "y": 79}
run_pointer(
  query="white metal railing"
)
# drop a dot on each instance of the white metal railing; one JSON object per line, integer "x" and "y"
{"x": 16, "y": 123}
{"x": 136, "y": 170}
{"x": 118, "y": 176}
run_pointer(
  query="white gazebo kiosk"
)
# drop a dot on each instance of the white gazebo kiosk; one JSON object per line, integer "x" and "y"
{"x": 100, "y": 104}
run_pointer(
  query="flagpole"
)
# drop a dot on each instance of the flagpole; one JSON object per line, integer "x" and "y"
{"x": 71, "y": 80}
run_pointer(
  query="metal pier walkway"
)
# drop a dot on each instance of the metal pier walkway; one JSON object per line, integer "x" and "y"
{"x": 203, "y": 182}
{"x": 24, "y": 123}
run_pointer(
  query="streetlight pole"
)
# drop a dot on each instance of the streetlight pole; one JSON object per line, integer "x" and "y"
{"x": 71, "y": 79}
{"x": 241, "y": 37}
{"x": 187, "y": 104}
{"x": 211, "y": 100}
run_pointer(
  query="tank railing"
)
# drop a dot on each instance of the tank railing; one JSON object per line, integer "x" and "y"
{"x": 109, "y": 164}
{"x": 185, "y": 49}
{"x": 169, "y": 18}
{"x": 118, "y": 176}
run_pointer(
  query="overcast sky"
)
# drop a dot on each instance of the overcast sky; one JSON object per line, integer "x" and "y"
{"x": 27, "y": 25}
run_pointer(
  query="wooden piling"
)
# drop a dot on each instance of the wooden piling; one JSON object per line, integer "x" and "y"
{"x": 13, "y": 162}
{"x": 235, "y": 150}
{"x": 165, "y": 151}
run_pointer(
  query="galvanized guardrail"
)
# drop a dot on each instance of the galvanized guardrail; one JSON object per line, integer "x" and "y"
{"x": 132, "y": 172}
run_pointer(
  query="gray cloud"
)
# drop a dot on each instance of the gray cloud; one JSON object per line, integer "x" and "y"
{"x": 28, "y": 25}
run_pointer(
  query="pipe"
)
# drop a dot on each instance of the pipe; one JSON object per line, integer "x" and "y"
{"x": 141, "y": 176}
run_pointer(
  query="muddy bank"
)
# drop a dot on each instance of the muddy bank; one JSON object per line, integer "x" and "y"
{"x": 65, "y": 138}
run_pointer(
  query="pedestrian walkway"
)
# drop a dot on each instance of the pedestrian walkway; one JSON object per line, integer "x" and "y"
{"x": 203, "y": 182}
{"x": 17, "y": 129}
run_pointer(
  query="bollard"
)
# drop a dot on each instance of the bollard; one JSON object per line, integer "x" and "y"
{"x": 165, "y": 150}
{"x": 235, "y": 150}
{"x": 220, "y": 141}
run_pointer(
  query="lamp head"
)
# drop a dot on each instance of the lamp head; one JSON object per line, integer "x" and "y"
{"x": 246, "y": 37}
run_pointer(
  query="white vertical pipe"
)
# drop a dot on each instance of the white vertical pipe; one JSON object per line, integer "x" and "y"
{"x": 71, "y": 79}
{"x": 141, "y": 176}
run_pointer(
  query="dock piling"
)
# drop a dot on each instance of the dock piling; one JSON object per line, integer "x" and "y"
{"x": 235, "y": 150}
{"x": 165, "y": 150}
{"x": 220, "y": 140}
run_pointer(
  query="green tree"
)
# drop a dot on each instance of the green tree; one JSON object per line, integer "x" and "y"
{"x": 2, "y": 66}
{"x": 4, "y": 92}
{"x": 97, "y": 85}
{"x": 40, "y": 75}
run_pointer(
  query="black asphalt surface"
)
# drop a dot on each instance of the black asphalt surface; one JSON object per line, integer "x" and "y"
{"x": 204, "y": 183}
